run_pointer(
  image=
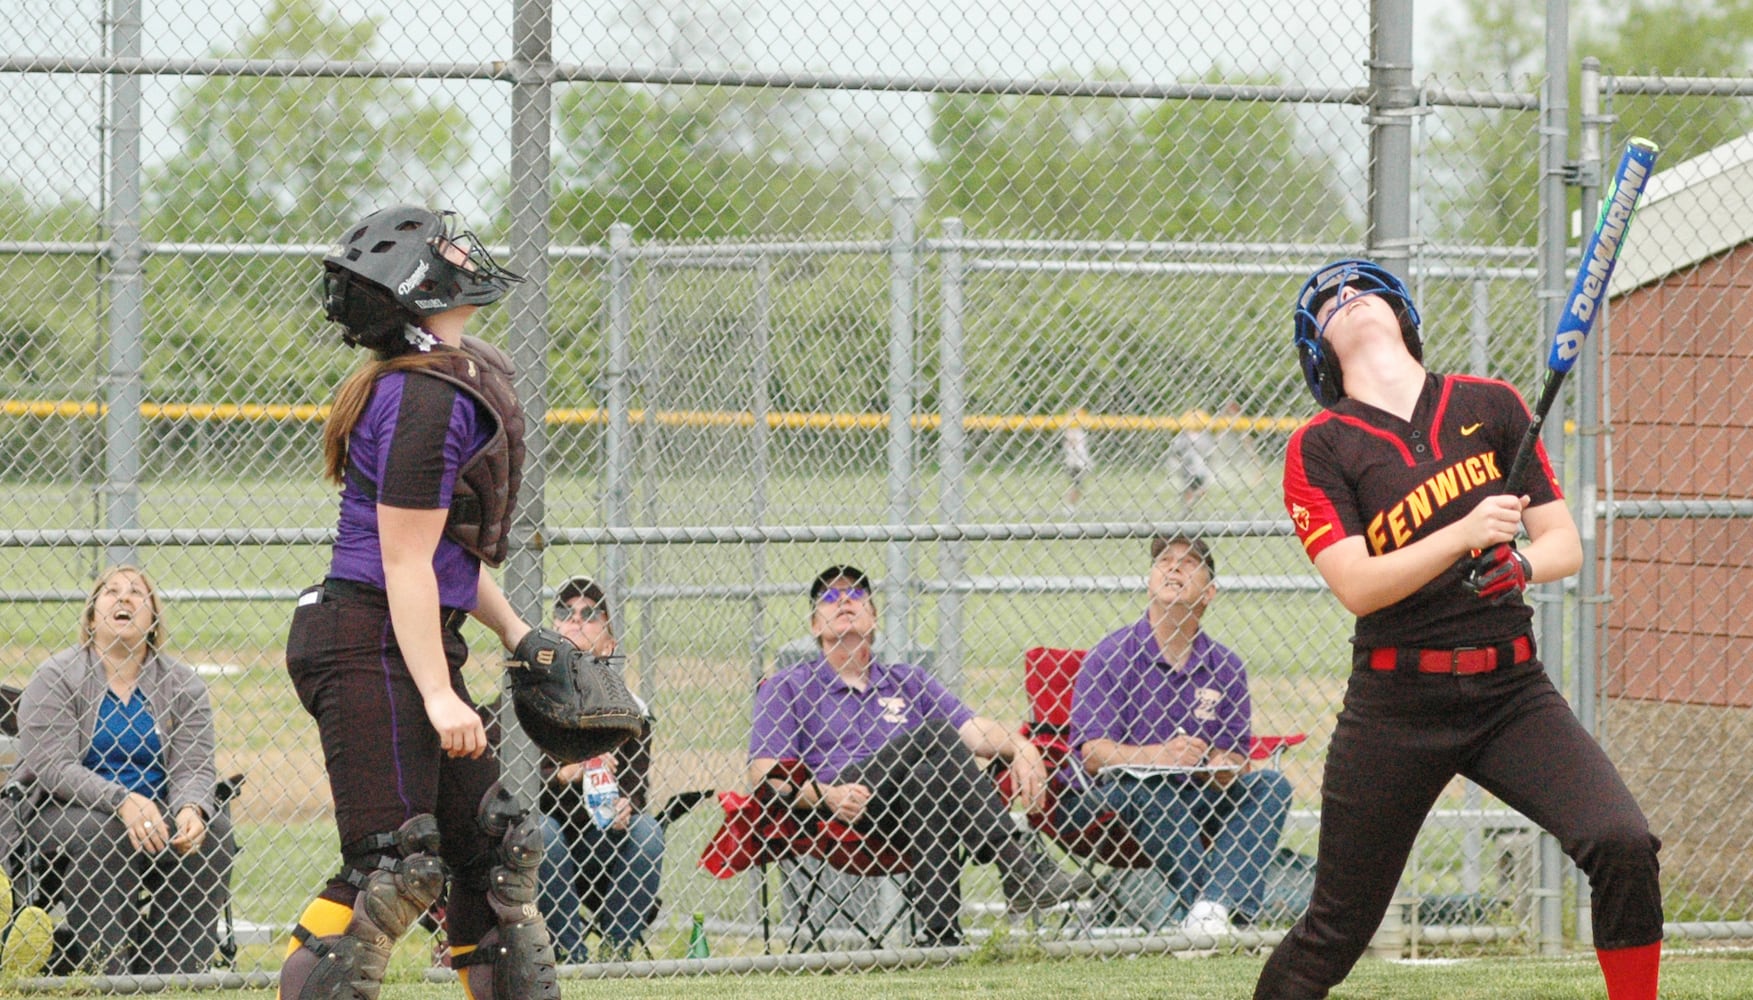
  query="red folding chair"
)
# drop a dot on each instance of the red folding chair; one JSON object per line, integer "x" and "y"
{"x": 761, "y": 829}
{"x": 1050, "y": 677}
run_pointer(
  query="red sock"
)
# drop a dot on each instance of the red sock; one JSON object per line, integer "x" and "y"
{"x": 1631, "y": 973}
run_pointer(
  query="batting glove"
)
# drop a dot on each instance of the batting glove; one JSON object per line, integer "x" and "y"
{"x": 1498, "y": 573}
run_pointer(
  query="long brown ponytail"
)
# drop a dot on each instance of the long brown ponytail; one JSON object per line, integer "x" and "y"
{"x": 349, "y": 404}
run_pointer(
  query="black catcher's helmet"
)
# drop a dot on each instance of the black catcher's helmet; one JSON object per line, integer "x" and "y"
{"x": 390, "y": 270}
{"x": 1319, "y": 367}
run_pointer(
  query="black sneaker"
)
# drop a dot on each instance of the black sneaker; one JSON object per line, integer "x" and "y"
{"x": 67, "y": 955}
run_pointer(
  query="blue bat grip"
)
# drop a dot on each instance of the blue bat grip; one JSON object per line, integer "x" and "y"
{"x": 1601, "y": 254}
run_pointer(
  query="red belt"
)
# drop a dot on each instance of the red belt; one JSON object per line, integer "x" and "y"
{"x": 1472, "y": 660}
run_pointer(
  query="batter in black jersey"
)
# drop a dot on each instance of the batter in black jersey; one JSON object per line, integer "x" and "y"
{"x": 1396, "y": 493}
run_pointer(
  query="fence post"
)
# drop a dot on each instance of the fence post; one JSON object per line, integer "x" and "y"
{"x": 618, "y": 451}
{"x": 531, "y": 102}
{"x": 1479, "y": 327}
{"x": 1590, "y": 420}
{"x": 895, "y": 635}
{"x": 647, "y": 375}
{"x": 1554, "y": 236}
{"x": 127, "y": 289}
{"x": 951, "y": 453}
{"x": 760, "y": 440}
{"x": 1393, "y": 102}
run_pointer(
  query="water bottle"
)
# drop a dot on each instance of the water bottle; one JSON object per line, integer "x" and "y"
{"x": 600, "y": 792}
{"x": 697, "y": 946}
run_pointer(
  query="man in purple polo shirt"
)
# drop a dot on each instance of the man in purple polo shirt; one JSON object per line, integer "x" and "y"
{"x": 892, "y": 752}
{"x": 1169, "y": 705}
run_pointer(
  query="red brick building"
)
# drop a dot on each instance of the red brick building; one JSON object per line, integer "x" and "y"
{"x": 1680, "y": 349}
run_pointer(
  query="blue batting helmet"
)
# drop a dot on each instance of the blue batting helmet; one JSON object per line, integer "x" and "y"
{"x": 1320, "y": 368}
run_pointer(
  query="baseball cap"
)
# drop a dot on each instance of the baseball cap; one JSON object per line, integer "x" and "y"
{"x": 826, "y": 578}
{"x": 581, "y": 586}
{"x": 1196, "y": 546}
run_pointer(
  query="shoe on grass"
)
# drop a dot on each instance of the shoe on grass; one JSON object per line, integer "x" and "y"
{"x": 28, "y": 944}
{"x": 1208, "y": 919}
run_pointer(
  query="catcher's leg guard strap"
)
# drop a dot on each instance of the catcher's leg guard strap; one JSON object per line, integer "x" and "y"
{"x": 349, "y": 964}
{"x": 512, "y": 962}
{"x": 515, "y": 960}
{"x": 320, "y": 959}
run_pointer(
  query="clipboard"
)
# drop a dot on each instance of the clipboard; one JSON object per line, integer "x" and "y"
{"x": 1148, "y": 771}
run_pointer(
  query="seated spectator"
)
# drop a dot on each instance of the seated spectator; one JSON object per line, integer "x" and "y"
{"x": 615, "y": 869}
{"x": 116, "y": 742}
{"x": 1162, "y": 693}
{"x": 892, "y": 752}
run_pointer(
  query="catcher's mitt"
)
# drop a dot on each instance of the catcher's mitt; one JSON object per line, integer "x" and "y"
{"x": 572, "y": 704}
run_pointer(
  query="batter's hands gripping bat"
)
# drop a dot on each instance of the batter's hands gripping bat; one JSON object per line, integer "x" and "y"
{"x": 1587, "y": 294}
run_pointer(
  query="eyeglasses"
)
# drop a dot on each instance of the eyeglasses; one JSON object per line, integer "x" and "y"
{"x": 834, "y": 595}
{"x": 564, "y": 613}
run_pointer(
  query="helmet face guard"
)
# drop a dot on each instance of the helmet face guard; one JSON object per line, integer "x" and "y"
{"x": 1319, "y": 367}
{"x": 401, "y": 264}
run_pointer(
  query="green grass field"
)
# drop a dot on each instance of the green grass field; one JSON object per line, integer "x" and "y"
{"x": 1699, "y": 976}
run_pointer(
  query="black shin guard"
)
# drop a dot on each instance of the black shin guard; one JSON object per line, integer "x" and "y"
{"x": 515, "y": 960}
{"x": 394, "y": 889}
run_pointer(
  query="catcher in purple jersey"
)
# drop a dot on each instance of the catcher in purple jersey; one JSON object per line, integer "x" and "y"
{"x": 1396, "y": 492}
{"x": 425, "y": 441}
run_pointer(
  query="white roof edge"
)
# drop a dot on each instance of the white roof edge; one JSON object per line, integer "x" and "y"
{"x": 1735, "y": 153}
{"x": 1689, "y": 212}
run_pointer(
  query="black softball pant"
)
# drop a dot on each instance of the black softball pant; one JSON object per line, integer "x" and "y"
{"x": 930, "y": 795}
{"x": 1401, "y": 737}
{"x": 385, "y": 762}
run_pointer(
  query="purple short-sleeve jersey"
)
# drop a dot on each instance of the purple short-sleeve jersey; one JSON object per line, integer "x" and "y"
{"x": 1125, "y": 692}
{"x": 807, "y": 712}
{"x": 413, "y": 436}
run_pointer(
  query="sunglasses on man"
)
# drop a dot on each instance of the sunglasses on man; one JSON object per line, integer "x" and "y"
{"x": 834, "y": 595}
{"x": 564, "y": 613}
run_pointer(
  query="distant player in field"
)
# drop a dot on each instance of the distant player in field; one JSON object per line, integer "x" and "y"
{"x": 1392, "y": 489}
{"x": 1075, "y": 452}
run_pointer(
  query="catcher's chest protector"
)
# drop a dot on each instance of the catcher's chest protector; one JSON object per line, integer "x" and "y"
{"x": 487, "y": 484}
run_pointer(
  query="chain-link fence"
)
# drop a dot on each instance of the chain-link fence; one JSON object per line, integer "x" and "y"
{"x": 980, "y": 302}
{"x": 1671, "y": 562}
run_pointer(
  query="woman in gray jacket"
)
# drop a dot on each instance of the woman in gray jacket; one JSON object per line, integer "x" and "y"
{"x": 116, "y": 740}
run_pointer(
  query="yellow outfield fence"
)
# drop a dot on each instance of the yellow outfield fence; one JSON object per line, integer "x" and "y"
{"x": 1192, "y": 420}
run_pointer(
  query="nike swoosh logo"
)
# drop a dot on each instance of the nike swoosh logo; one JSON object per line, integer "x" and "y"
{"x": 1468, "y": 430}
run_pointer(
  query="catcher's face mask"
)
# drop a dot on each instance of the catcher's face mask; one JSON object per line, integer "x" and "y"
{"x": 403, "y": 263}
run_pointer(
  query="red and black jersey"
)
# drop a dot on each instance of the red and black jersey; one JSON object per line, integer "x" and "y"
{"x": 1357, "y": 470}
